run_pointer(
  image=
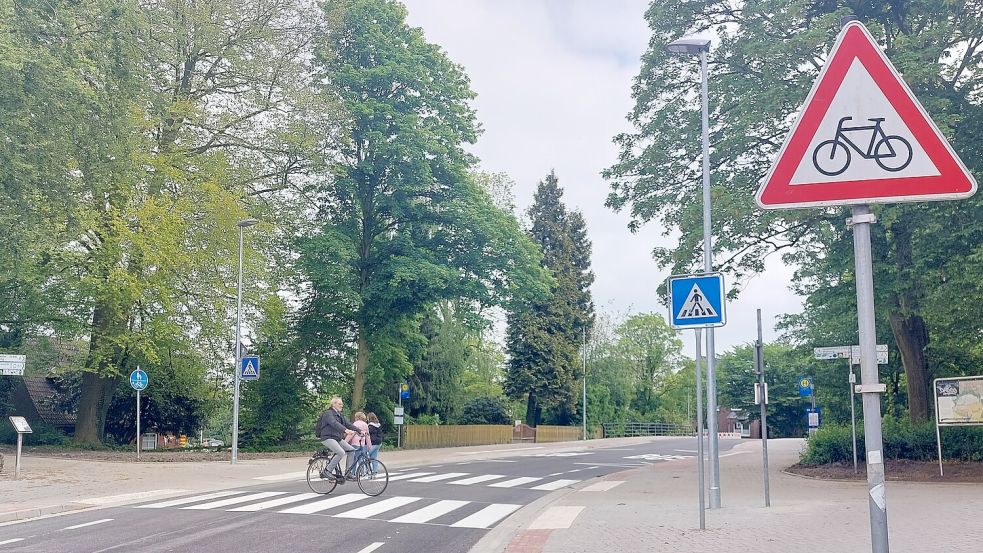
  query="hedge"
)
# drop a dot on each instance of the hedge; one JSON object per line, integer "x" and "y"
{"x": 833, "y": 443}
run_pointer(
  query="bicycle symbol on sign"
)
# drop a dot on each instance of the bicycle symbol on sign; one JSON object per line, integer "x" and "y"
{"x": 890, "y": 152}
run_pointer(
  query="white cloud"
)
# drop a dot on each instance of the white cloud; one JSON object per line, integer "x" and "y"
{"x": 553, "y": 80}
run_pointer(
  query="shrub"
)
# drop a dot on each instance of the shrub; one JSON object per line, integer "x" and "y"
{"x": 43, "y": 434}
{"x": 902, "y": 440}
{"x": 484, "y": 410}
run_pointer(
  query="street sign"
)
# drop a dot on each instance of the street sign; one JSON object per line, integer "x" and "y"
{"x": 862, "y": 137}
{"x": 398, "y": 411}
{"x": 849, "y": 352}
{"x": 805, "y": 386}
{"x": 249, "y": 368}
{"x": 404, "y": 391}
{"x": 12, "y": 365}
{"x": 881, "y": 354}
{"x": 757, "y": 393}
{"x": 815, "y": 416}
{"x": 696, "y": 301}
{"x": 398, "y": 421}
{"x": 21, "y": 425}
{"x": 139, "y": 380}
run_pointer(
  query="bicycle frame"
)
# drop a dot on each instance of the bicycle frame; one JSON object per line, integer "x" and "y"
{"x": 876, "y": 136}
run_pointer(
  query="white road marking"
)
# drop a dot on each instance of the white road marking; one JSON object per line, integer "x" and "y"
{"x": 615, "y": 465}
{"x": 686, "y": 450}
{"x": 275, "y": 502}
{"x": 319, "y": 506}
{"x": 556, "y": 517}
{"x": 234, "y": 500}
{"x": 15, "y": 540}
{"x": 486, "y": 517}
{"x": 372, "y": 547}
{"x": 186, "y": 500}
{"x": 476, "y": 479}
{"x": 374, "y": 509}
{"x": 555, "y": 474}
{"x": 439, "y": 477}
{"x": 497, "y": 450}
{"x": 93, "y": 523}
{"x": 431, "y": 512}
{"x": 514, "y": 482}
{"x": 603, "y": 486}
{"x": 408, "y": 475}
{"x": 123, "y": 497}
{"x": 284, "y": 476}
{"x": 555, "y": 485}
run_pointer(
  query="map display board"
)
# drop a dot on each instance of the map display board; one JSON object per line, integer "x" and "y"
{"x": 959, "y": 401}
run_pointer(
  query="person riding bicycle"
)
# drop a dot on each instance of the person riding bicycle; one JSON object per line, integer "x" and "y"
{"x": 332, "y": 429}
{"x": 362, "y": 442}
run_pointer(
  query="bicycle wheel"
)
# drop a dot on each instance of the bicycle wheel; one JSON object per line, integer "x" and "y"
{"x": 373, "y": 477}
{"x": 831, "y": 157}
{"x": 892, "y": 153}
{"x": 317, "y": 475}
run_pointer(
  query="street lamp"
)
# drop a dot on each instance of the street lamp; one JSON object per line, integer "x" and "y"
{"x": 235, "y": 395}
{"x": 700, "y": 47}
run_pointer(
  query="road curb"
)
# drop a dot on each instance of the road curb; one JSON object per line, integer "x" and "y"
{"x": 35, "y": 512}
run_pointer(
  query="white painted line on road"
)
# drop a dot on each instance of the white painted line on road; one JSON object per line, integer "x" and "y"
{"x": 486, "y": 517}
{"x": 124, "y": 497}
{"x": 319, "y": 506}
{"x": 284, "y": 476}
{"x": 431, "y": 512}
{"x": 476, "y": 479}
{"x": 574, "y": 470}
{"x": 439, "y": 477}
{"x": 555, "y": 485}
{"x": 372, "y": 547}
{"x": 234, "y": 500}
{"x": 497, "y": 450}
{"x": 186, "y": 500}
{"x": 617, "y": 449}
{"x": 275, "y": 502}
{"x": 408, "y": 475}
{"x": 615, "y": 465}
{"x": 434, "y": 466}
{"x": 555, "y": 474}
{"x": 378, "y": 508}
{"x": 556, "y": 517}
{"x": 686, "y": 450}
{"x": 93, "y": 523}
{"x": 494, "y": 461}
{"x": 603, "y": 486}
{"x": 15, "y": 540}
{"x": 514, "y": 482}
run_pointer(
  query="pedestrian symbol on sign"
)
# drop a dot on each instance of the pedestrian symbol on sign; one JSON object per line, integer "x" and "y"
{"x": 696, "y": 305}
{"x": 249, "y": 369}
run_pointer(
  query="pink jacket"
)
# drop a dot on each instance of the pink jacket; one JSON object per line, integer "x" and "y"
{"x": 359, "y": 440}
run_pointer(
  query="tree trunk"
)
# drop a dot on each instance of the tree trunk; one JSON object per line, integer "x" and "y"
{"x": 532, "y": 410}
{"x": 361, "y": 362}
{"x": 97, "y": 390}
{"x": 87, "y": 427}
{"x": 912, "y": 337}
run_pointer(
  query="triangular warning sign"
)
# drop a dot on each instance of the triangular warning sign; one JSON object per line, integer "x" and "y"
{"x": 249, "y": 369}
{"x": 696, "y": 305}
{"x": 861, "y": 138}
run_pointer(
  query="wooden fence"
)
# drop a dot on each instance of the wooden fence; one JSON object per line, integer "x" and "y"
{"x": 450, "y": 435}
{"x": 546, "y": 434}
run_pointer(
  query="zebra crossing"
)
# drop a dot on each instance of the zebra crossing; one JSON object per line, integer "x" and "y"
{"x": 543, "y": 483}
{"x": 398, "y": 509}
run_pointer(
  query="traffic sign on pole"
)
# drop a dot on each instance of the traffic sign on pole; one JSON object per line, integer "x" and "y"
{"x": 862, "y": 137}
{"x": 696, "y": 301}
{"x": 12, "y": 365}
{"x": 249, "y": 368}
{"x": 139, "y": 380}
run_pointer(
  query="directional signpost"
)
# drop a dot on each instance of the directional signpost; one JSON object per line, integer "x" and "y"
{"x": 139, "y": 382}
{"x": 861, "y": 138}
{"x": 249, "y": 368}
{"x": 12, "y": 365}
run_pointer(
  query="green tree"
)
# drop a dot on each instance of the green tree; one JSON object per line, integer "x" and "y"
{"x": 650, "y": 350}
{"x": 404, "y": 224}
{"x": 544, "y": 337}
{"x": 484, "y": 410}
{"x": 768, "y": 55}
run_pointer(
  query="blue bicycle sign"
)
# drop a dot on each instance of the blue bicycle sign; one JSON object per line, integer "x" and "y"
{"x": 890, "y": 152}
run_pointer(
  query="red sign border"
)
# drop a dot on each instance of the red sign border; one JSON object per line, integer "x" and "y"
{"x": 855, "y": 42}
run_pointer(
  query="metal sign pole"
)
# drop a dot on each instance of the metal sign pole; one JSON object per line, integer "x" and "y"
{"x": 699, "y": 430}
{"x": 853, "y": 415}
{"x": 20, "y": 442}
{"x": 938, "y": 434}
{"x": 138, "y": 425}
{"x": 870, "y": 388}
{"x": 399, "y": 427}
{"x": 585, "y": 385}
{"x": 759, "y": 360}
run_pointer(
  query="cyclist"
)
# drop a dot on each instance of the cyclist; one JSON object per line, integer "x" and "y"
{"x": 332, "y": 429}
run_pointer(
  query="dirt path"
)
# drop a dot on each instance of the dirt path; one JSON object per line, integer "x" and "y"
{"x": 907, "y": 471}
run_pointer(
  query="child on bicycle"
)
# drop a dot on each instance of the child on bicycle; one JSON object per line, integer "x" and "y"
{"x": 361, "y": 440}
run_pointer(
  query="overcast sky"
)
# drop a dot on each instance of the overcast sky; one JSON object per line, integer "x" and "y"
{"x": 553, "y": 79}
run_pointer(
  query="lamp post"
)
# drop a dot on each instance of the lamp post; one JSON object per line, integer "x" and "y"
{"x": 235, "y": 394}
{"x": 700, "y": 47}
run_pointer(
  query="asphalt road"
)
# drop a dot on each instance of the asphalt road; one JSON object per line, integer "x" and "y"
{"x": 443, "y": 508}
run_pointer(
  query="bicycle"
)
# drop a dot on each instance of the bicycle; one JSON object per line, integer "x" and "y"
{"x": 880, "y": 148}
{"x": 371, "y": 475}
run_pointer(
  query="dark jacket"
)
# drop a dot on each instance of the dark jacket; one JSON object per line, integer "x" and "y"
{"x": 375, "y": 433}
{"x": 332, "y": 424}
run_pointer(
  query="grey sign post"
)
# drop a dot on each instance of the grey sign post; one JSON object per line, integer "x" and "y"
{"x": 699, "y": 432}
{"x": 138, "y": 381}
{"x": 762, "y": 396}
{"x": 22, "y": 427}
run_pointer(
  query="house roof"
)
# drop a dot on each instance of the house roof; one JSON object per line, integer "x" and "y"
{"x": 44, "y": 395}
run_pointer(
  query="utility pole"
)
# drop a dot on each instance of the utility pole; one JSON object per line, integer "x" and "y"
{"x": 759, "y": 361}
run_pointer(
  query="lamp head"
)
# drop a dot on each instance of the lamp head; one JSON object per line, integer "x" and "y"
{"x": 689, "y": 46}
{"x": 247, "y": 223}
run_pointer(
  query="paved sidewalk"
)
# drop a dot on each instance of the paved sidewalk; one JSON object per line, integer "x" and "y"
{"x": 655, "y": 509}
{"x": 51, "y": 485}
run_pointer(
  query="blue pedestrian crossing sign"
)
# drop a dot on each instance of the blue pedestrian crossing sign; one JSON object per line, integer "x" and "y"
{"x": 249, "y": 368}
{"x": 696, "y": 300}
{"x": 139, "y": 380}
